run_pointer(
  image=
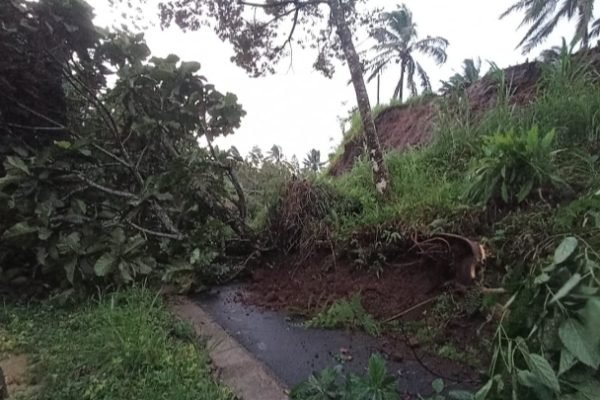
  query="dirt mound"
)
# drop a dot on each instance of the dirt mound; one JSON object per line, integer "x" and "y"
{"x": 313, "y": 287}
{"x": 408, "y": 125}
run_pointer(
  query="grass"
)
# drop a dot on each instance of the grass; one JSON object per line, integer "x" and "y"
{"x": 124, "y": 346}
{"x": 348, "y": 314}
{"x": 355, "y": 129}
{"x": 431, "y": 183}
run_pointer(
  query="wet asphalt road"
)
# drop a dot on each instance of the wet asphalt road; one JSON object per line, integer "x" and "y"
{"x": 293, "y": 352}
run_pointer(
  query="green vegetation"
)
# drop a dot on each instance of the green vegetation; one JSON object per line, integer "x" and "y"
{"x": 335, "y": 384}
{"x": 117, "y": 188}
{"x": 429, "y": 183}
{"x": 555, "y": 349}
{"x": 122, "y": 346}
{"x": 105, "y": 185}
{"x": 524, "y": 179}
{"x": 514, "y": 166}
{"x": 347, "y": 313}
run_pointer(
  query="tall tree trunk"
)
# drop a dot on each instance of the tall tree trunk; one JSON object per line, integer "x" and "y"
{"x": 399, "y": 92}
{"x": 378, "y": 86}
{"x": 380, "y": 171}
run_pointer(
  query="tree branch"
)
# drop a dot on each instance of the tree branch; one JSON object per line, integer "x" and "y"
{"x": 114, "y": 192}
{"x": 156, "y": 233}
{"x": 281, "y": 3}
{"x": 289, "y": 39}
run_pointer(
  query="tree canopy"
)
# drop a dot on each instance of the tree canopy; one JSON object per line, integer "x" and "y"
{"x": 253, "y": 29}
{"x": 108, "y": 183}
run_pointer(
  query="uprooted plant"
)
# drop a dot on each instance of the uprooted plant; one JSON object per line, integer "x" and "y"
{"x": 111, "y": 184}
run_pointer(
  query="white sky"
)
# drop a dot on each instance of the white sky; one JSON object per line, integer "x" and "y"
{"x": 298, "y": 108}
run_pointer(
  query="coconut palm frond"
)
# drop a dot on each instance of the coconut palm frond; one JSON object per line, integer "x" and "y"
{"x": 546, "y": 30}
{"x": 595, "y": 29}
{"x": 518, "y": 6}
{"x": 434, "y": 47}
{"x": 542, "y": 17}
{"x": 398, "y": 41}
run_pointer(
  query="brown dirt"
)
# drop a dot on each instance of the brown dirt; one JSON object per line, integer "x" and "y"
{"x": 407, "y": 126}
{"x": 309, "y": 289}
{"x": 15, "y": 372}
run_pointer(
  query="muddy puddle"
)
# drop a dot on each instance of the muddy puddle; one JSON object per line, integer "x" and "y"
{"x": 293, "y": 352}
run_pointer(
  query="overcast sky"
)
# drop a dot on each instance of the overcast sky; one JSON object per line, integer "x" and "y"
{"x": 298, "y": 108}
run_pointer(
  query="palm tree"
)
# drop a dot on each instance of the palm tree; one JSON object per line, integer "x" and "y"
{"x": 555, "y": 53}
{"x": 542, "y": 16}
{"x": 398, "y": 42}
{"x": 471, "y": 72}
{"x": 312, "y": 161}
{"x": 275, "y": 154}
{"x": 255, "y": 157}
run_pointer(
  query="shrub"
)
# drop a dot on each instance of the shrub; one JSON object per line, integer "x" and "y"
{"x": 556, "y": 353}
{"x": 514, "y": 165}
{"x": 334, "y": 384}
{"x": 347, "y": 313}
{"x": 123, "y": 190}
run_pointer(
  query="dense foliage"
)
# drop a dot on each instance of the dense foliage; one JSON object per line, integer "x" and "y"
{"x": 113, "y": 185}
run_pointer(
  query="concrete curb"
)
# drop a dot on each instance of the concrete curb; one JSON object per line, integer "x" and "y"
{"x": 247, "y": 377}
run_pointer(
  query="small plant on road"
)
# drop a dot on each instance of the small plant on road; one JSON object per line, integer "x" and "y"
{"x": 334, "y": 384}
{"x": 346, "y": 313}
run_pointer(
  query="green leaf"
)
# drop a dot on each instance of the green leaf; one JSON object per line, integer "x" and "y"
{"x": 591, "y": 319}
{"x": 525, "y": 190}
{"x": 460, "y": 395}
{"x": 105, "y": 265}
{"x": 541, "y": 278}
{"x": 527, "y": 378}
{"x": 567, "y": 361}
{"x": 565, "y": 250}
{"x": 567, "y": 287}
{"x": 134, "y": 244}
{"x": 16, "y": 163}
{"x": 63, "y": 144}
{"x": 544, "y": 372}
{"x": 532, "y": 137}
{"x": 118, "y": 235}
{"x": 8, "y": 179}
{"x": 70, "y": 269}
{"x": 125, "y": 270}
{"x": 590, "y": 389}
{"x": 485, "y": 390}
{"x": 19, "y": 229}
{"x": 44, "y": 233}
{"x": 191, "y": 66}
{"x": 504, "y": 192}
{"x": 438, "y": 385}
{"x": 548, "y": 139}
{"x": 376, "y": 369}
{"x": 580, "y": 343}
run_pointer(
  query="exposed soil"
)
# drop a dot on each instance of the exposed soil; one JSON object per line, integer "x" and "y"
{"x": 15, "y": 373}
{"x": 406, "y": 126}
{"x": 309, "y": 289}
{"x": 313, "y": 287}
